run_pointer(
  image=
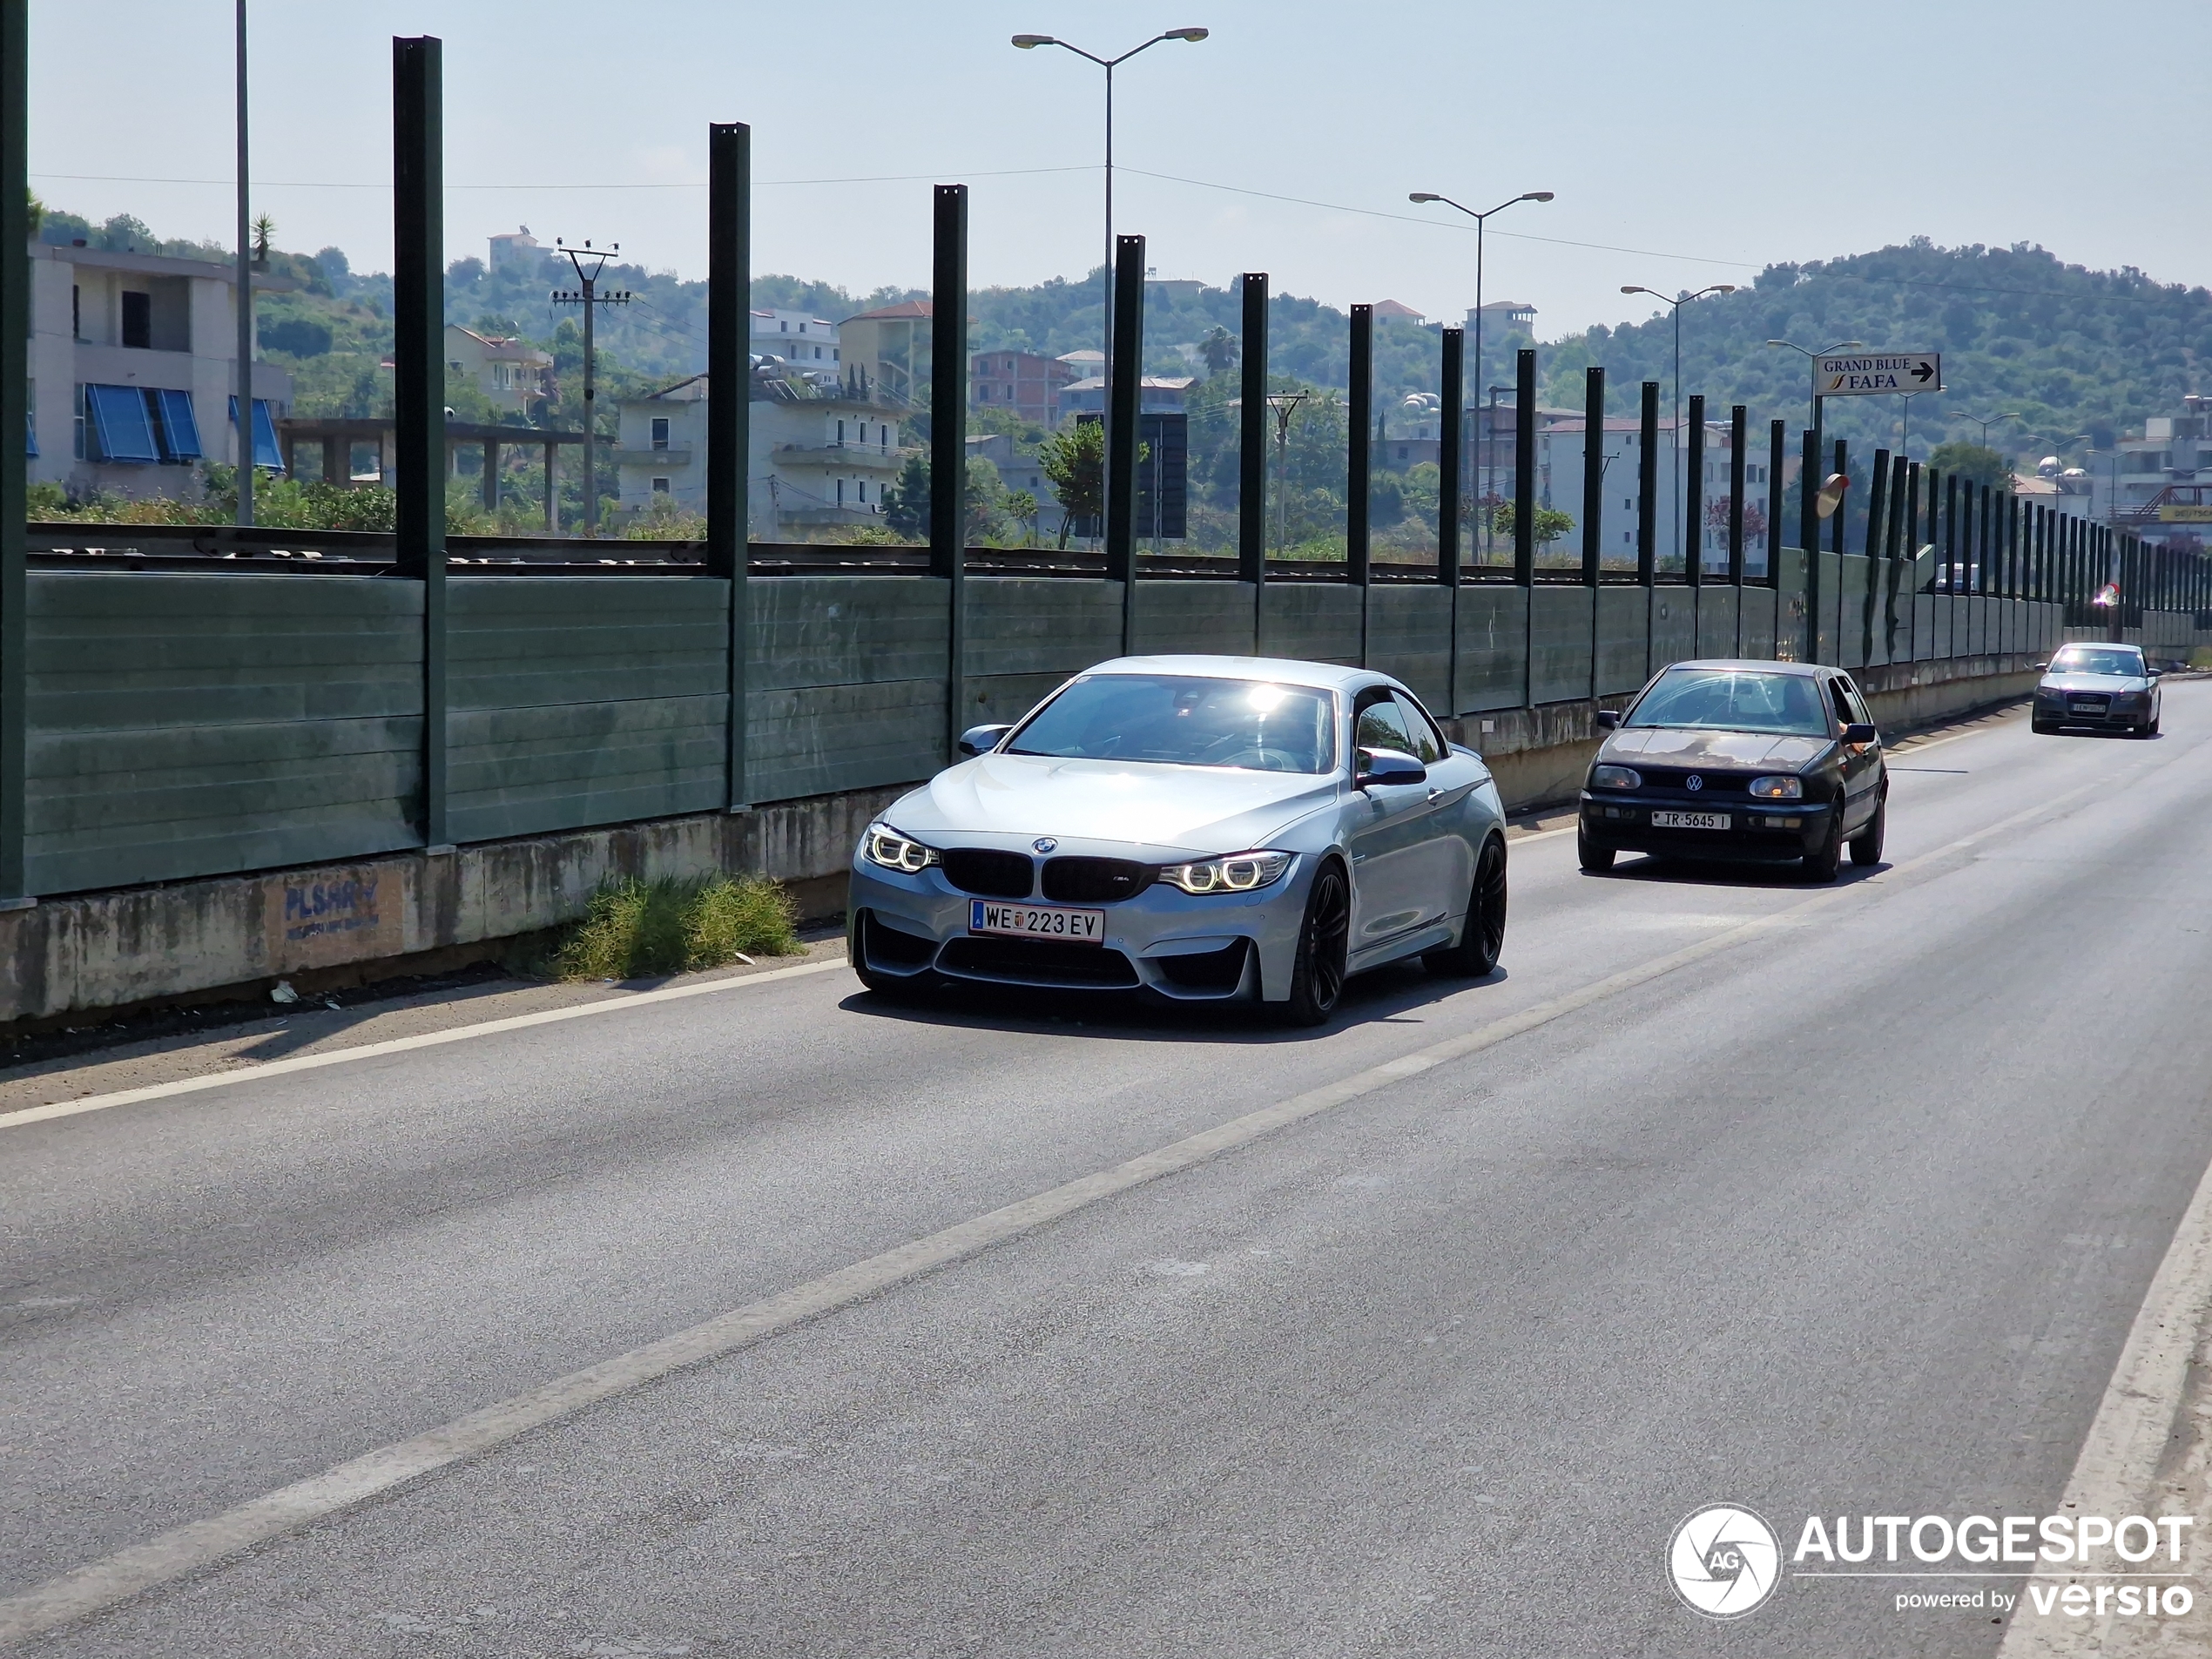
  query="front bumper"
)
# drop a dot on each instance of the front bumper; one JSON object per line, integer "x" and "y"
{"x": 1759, "y": 832}
{"x": 1162, "y": 941}
{"x": 2119, "y": 713}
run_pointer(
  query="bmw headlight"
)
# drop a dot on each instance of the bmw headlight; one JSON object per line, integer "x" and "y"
{"x": 1239, "y": 873}
{"x": 1778, "y": 789}
{"x": 885, "y": 845}
{"x": 1615, "y": 778}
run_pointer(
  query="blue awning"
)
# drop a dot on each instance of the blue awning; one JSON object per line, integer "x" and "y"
{"x": 265, "y": 453}
{"x": 179, "y": 431}
{"x": 119, "y": 424}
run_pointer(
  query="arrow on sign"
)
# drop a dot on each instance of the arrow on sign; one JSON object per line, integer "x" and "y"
{"x": 1923, "y": 373}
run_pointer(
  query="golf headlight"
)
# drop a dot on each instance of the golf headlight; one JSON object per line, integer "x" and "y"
{"x": 885, "y": 845}
{"x": 1778, "y": 789}
{"x": 1239, "y": 873}
{"x": 1615, "y": 778}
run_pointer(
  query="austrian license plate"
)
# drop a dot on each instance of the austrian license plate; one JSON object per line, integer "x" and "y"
{"x": 1690, "y": 820}
{"x": 1036, "y": 921}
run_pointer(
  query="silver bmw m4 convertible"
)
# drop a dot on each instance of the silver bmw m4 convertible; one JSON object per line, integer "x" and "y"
{"x": 1196, "y": 828}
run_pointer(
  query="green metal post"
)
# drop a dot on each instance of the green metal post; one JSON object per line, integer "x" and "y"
{"x": 15, "y": 361}
{"x": 1736, "y": 433}
{"x": 1693, "y": 502}
{"x": 1808, "y": 536}
{"x": 419, "y": 381}
{"x": 1777, "y": 462}
{"x": 1877, "y": 539}
{"x": 1251, "y": 445}
{"x": 1524, "y": 515}
{"x": 1358, "y": 473}
{"x": 1593, "y": 500}
{"x": 729, "y": 398}
{"x": 1450, "y": 457}
{"x": 1647, "y": 510}
{"x": 948, "y": 441}
{"x": 1126, "y": 397}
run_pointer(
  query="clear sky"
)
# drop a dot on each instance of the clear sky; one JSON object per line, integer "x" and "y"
{"x": 1691, "y": 143}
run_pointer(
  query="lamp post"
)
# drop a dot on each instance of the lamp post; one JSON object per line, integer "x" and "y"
{"x": 1984, "y": 422}
{"x": 1813, "y": 401}
{"x": 1480, "y": 220}
{"x": 1286, "y": 404}
{"x": 1030, "y": 43}
{"x": 1674, "y": 449}
{"x": 1904, "y": 437}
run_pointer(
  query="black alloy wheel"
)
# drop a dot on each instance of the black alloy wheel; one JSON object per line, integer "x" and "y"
{"x": 1822, "y": 865}
{"x": 1483, "y": 936}
{"x": 1317, "y": 978}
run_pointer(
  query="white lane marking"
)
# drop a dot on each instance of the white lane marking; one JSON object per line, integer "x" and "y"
{"x": 88, "y": 1589}
{"x": 401, "y": 1045}
{"x": 2138, "y": 1424}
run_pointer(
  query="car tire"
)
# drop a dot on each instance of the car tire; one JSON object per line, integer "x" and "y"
{"x": 1592, "y": 857}
{"x": 1324, "y": 940}
{"x": 1821, "y": 866}
{"x": 2150, "y": 730}
{"x": 1867, "y": 845}
{"x": 2043, "y": 728}
{"x": 1483, "y": 935}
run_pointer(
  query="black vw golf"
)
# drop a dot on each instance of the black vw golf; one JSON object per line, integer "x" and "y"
{"x": 1771, "y": 762}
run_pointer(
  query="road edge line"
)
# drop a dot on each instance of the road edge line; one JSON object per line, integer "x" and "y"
{"x": 2137, "y": 1422}
{"x": 401, "y": 1045}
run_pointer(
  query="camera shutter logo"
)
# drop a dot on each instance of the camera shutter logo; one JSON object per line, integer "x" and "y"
{"x": 1723, "y": 1561}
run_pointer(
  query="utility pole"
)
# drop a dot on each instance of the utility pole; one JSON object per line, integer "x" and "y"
{"x": 1286, "y": 404}
{"x": 245, "y": 306}
{"x": 587, "y": 295}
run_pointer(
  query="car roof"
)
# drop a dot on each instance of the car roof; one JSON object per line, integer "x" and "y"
{"x": 1756, "y": 664}
{"x": 1282, "y": 671}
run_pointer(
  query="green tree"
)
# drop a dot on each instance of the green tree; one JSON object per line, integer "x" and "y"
{"x": 1549, "y": 522}
{"x": 1075, "y": 459}
{"x": 1021, "y": 508}
{"x": 905, "y": 503}
{"x": 1219, "y": 350}
{"x": 264, "y": 228}
{"x": 1976, "y": 463}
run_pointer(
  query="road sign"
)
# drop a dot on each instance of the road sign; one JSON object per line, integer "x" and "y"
{"x": 1877, "y": 374}
{"x": 2184, "y": 513}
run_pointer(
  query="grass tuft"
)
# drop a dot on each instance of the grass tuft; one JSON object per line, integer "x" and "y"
{"x": 637, "y": 929}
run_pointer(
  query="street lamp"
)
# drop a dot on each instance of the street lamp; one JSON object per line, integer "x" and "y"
{"x": 1030, "y": 43}
{"x": 1674, "y": 451}
{"x": 1904, "y": 439}
{"x": 1984, "y": 422}
{"x": 1480, "y": 220}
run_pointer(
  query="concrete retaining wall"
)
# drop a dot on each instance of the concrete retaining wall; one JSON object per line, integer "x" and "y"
{"x": 331, "y": 924}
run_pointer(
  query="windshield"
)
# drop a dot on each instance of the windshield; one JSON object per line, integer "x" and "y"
{"x": 1734, "y": 700}
{"x": 1185, "y": 721}
{"x": 2075, "y": 660}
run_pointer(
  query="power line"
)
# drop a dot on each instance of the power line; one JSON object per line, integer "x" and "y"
{"x": 759, "y": 184}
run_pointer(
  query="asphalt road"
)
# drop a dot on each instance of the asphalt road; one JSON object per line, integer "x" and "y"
{"x": 1850, "y": 1213}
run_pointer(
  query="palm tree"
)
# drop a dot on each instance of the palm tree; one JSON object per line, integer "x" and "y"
{"x": 1219, "y": 349}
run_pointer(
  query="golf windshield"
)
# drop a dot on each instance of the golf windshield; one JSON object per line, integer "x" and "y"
{"x": 1730, "y": 699}
{"x": 2076, "y": 659}
{"x": 1185, "y": 721}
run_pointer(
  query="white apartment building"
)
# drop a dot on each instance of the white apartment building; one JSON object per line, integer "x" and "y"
{"x": 804, "y": 341}
{"x": 133, "y": 372}
{"x": 506, "y": 369}
{"x": 1559, "y": 471}
{"x": 814, "y": 459}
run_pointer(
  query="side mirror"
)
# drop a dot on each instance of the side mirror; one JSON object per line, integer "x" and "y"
{"x": 982, "y": 739}
{"x": 1861, "y": 733}
{"x": 1608, "y": 720}
{"x": 1388, "y": 766}
{"x": 2040, "y": 667}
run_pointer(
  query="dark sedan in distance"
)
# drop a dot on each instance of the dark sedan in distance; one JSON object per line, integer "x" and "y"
{"x": 2098, "y": 688}
{"x": 1765, "y": 762}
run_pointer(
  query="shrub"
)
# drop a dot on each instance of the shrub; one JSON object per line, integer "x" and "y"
{"x": 637, "y": 928}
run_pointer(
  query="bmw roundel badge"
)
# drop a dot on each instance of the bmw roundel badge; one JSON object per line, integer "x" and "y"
{"x": 1044, "y": 844}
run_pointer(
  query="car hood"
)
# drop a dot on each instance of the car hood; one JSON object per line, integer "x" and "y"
{"x": 1668, "y": 745}
{"x": 1194, "y": 809}
{"x": 2095, "y": 683}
